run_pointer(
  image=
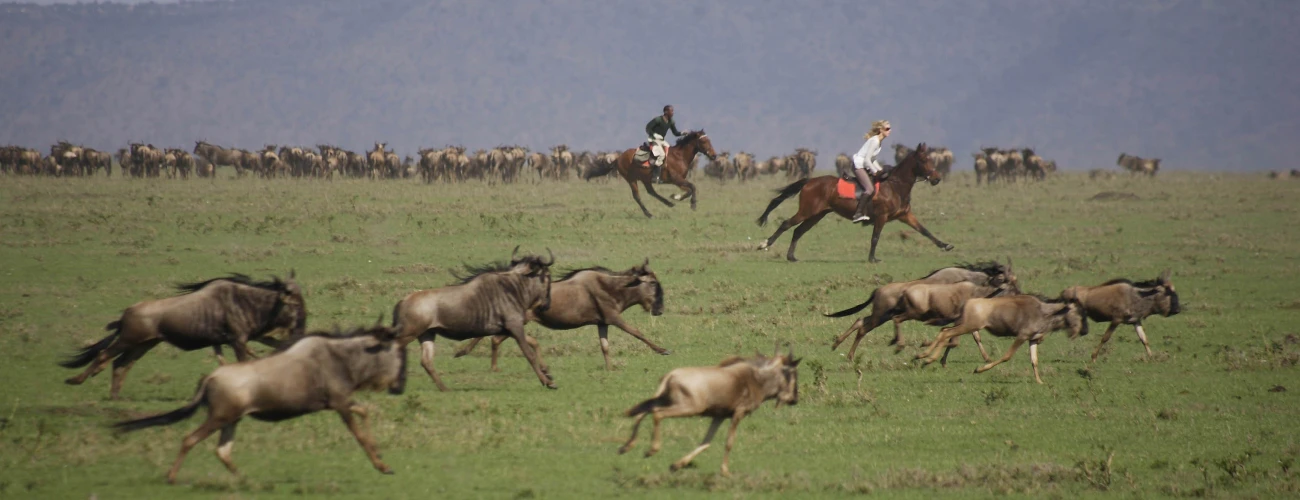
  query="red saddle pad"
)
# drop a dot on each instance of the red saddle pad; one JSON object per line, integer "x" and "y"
{"x": 848, "y": 189}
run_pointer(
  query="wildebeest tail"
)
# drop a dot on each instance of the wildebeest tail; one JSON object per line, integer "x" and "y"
{"x": 854, "y": 309}
{"x": 661, "y": 398}
{"x": 397, "y": 309}
{"x": 597, "y": 170}
{"x": 85, "y": 356}
{"x": 171, "y": 417}
{"x": 783, "y": 193}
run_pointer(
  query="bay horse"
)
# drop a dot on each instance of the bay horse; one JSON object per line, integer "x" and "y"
{"x": 893, "y": 201}
{"x": 677, "y": 163}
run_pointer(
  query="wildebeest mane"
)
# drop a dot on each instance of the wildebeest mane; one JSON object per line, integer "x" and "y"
{"x": 274, "y": 285}
{"x": 1140, "y": 284}
{"x": 472, "y": 271}
{"x": 1047, "y": 300}
{"x": 336, "y": 333}
{"x": 989, "y": 267}
{"x": 598, "y": 269}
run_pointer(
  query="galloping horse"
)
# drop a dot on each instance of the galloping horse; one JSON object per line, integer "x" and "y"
{"x": 677, "y": 163}
{"x": 893, "y": 201}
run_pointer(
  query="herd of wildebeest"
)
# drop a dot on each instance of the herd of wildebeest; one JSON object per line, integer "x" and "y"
{"x": 320, "y": 370}
{"x": 456, "y": 163}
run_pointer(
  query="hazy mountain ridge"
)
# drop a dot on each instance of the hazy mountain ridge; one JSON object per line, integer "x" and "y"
{"x": 1080, "y": 81}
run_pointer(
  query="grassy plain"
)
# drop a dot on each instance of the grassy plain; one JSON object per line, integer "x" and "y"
{"x": 1204, "y": 416}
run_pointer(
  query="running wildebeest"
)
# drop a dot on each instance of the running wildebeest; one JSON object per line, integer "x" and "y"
{"x": 232, "y": 310}
{"x": 307, "y": 374}
{"x": 733, "y": 389}
{"x": 819, "y": 196}
{"x": 1025, "y": 317}
{"x": 494, "y": 299}
{"x": 941, "y": 304}
{"x": 1123, "y": 302}
{"x": 886, "y": 298}
{"x": 596, "y": 296}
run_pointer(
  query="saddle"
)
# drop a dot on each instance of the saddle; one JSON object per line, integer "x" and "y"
{"x": 642, "y": 154}
{"x": 851, "y": 189}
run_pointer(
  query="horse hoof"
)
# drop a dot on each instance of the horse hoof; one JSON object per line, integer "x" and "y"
{"x": 947, "y": 247}
{"x": 762, "y": 247}
{"x": 665, "y": 352}
{"x": 552, "y": 386}
{"x": 791, "y": 259}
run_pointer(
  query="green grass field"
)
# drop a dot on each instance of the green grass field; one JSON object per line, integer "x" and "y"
{"x": 1212, "y": 413}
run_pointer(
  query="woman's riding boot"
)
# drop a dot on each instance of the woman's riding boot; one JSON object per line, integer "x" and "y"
{"x": 864, "y": 206}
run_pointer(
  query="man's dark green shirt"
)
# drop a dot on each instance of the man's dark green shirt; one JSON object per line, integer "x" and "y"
{"x": 661, "y": 125}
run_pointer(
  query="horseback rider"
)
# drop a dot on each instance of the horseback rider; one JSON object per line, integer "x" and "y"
{"x": 865, "y": 166}
{"x": 655, "y": 130}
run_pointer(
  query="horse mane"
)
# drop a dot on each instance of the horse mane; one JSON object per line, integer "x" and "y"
{"x": 689, "y": 136}
{"x": 336, "y": 333}
{"x": 275, "y": 285}
{"x": 472, "y": 272}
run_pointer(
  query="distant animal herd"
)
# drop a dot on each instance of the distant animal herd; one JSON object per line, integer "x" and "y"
{"x": 505, "y": 164}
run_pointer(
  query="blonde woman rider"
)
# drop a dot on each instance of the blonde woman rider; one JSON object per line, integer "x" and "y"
{"x": 865, "y": 166}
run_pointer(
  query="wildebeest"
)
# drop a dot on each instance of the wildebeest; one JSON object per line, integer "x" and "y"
{"x": 217, "y": 155}
{"x": 1123, "y": 302}
{"x": 494, "y": 299}
{"x": 733, "y": 389}
{"x": 886, "y": 298}
{"x": 231, "y": 310}
{"x": 982, "y": 170}
{"x": 1138, "y": 165}
{"x": 308, "y": 374}
{"x": 941, "y": 304}
{"x": 1025, "y": 317}
{"x": 596, "y": 296}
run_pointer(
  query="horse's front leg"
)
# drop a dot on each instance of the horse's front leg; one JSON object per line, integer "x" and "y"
{"x": 910, "y": 220}
{"x": 650, "y": 188}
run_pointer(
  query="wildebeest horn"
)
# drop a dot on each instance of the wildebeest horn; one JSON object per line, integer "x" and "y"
{"x": 645, "y": 263}
{"x": 380, "y": 320}
{"x": 513, "y": 252}
{"x": 1164, "y": 276}
{"x": 551, "y": 260}
{"x": 293, "y": 273}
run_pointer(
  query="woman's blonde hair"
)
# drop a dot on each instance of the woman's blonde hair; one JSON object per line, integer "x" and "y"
{"x": 877, "y": 127}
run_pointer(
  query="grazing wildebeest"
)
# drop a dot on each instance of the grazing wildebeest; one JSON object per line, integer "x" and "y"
{"x": 232, "y": 310}
{"x": 1123, "y": 302}
{"x": 1025, "y": 317}
{"x": 491, "y": 300}
{"x": 596, "y": 296}
{"x": 217, "y": 156}
{"x": 733, "y": 389}
{"x": 678, "y": 161}
{"x": 308, "y": 374}
{"x": 819, "y": 196}
{"x": 887, "y": 298}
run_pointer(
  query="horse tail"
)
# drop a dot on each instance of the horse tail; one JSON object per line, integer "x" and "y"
{"x": 785, "y": 192}
{"x": 85, "y": 356}
{"x": 853, "y": 309}
{"x": 200, "y": 398}
{"x": 661, "y": 398}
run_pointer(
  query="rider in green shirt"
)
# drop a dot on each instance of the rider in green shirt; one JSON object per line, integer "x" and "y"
{"x": 655, "y": 131}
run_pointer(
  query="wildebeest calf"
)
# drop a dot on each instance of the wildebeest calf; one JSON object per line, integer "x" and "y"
{"x": 313, "y": 373}
{"x": 596, "y": 296}
{"x": 733, "y": 389}
{"x": 1025, "y": 317}
{"x": 231, "y": 310}
{"x": 1123, "y": 302}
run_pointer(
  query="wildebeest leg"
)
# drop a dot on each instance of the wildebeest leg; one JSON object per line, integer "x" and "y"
{"x": 659, "y": 414}
{"x": 225, "y": 446}
{"x": 704, "y": 445}
{"x": 617, "y": 320}
{"x": 786, "y": 224}
{"x": 983, "y": 353}
{"x": 1010, "y": 352}
{"x": 350, "y": 414}
{"x": 1105, "y": 338}
{"x": 798, "y": 233}
{"x": 123, "y": 363}
{"x": 521, "y": 338}
{"x": 931, "y": 353}
{"x": 845, "y": 336}
{"x": 221, "y": 358}
{"x": 636, "y": 426}
{"x": 602, "y": 330}
{"x": 1033, "y": 359}
{"x": 875, "y": 237}
{"x": 650, "y": 188}
{"x": 497, "y": 340}
{"x": 636, "y": 195}
{"x": 731, "y": 440}
{"x": 101, "y": 360}
{"x": 910, "y": 220}
{"x": 898, "y": 334}
{"x": 209, "y": 426}
{"x": 1143, "y": 337}
{"x": 427, "y": 351}
{"x": 242, "y": 352}
{"x": 467, "y": 347}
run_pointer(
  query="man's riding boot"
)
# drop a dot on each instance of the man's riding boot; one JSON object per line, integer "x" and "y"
{"x": 864, "y": 206}
{"x": 655, "y": 172}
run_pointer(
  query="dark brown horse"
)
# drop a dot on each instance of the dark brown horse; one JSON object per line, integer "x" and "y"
{"x": 677, "y": 163}
{"x": 893, "y": 201}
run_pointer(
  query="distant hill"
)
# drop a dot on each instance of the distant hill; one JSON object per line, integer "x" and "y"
{"x": 1203, "y": 85}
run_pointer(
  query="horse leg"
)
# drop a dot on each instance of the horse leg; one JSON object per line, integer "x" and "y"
{"x": 875, "y": 237}
{"x": 123, "y": 363}
{"x": 787, "y": 224}
{"x": 1105, "y": 338}
{"x": 910, "y": 220}
{"x": 427, "y": 351}
{"x": 650, "y": 188}
{"x": 704, "y": 445}
{"x": 798, "y": 233}
{"x": 226, "y": 445}
{"x": 636, "y": 195}
{"x": 355, "y": 417}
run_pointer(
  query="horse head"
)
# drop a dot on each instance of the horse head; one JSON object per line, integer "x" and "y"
{"x": 924, "y": 167}
{"x": 700, "y": 142}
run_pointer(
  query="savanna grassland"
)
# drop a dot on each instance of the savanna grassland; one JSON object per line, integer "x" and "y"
{"x": 1212, "y": 413}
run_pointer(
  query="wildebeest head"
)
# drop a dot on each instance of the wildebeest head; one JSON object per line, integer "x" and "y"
{"x": 649, "y": 290}
{"x": 787, "y": 365}
{"x": 1165, "y": 298}
{"x": 293, "y": 308}
{"x": 1075, "y": 318}
{"x": 537, "y": 272}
